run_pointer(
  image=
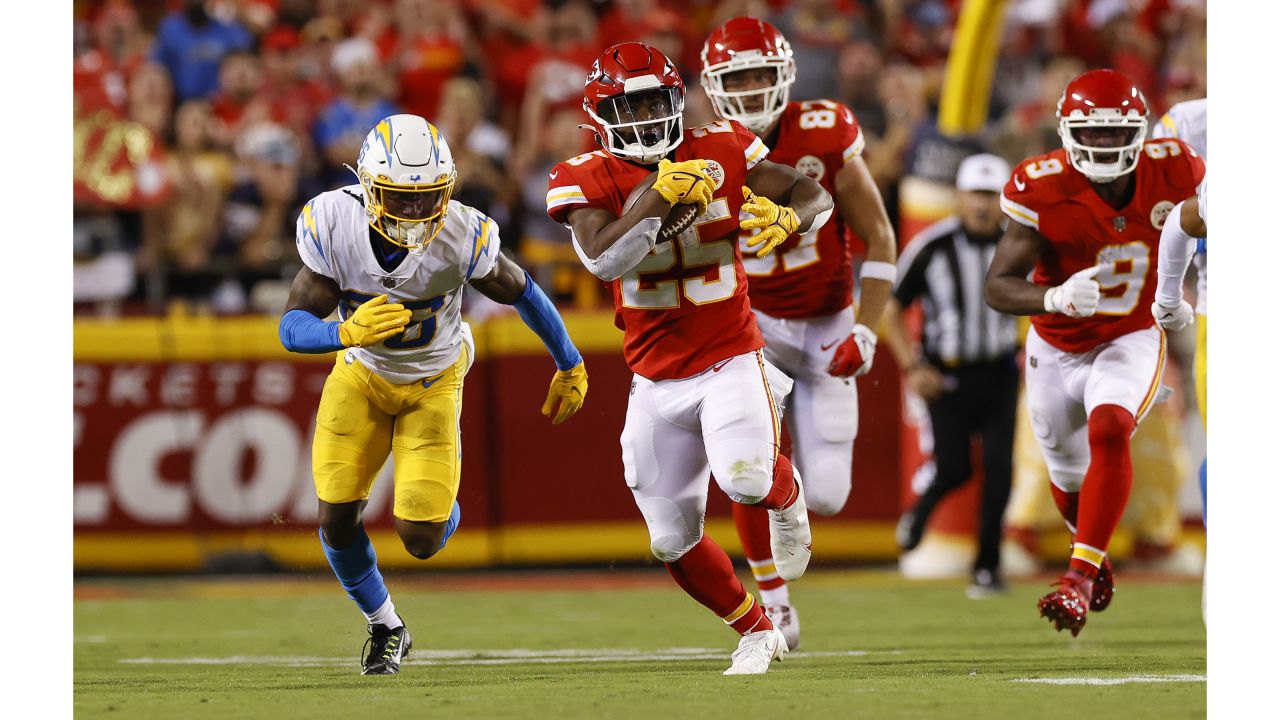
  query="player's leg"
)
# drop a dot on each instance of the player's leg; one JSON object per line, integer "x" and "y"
{"x": 1055, "y": 389}
{"x": 352, "y": 439}
{"x": 784, "y": 349}
{"x": 740, "y": 431}
{"x": 427, "y": 447}
{"x": 665, "y": 467}
{"x": 824, "y": 417}
{"x": 1202, "y": 398}
{"x": 1121, "y": 388}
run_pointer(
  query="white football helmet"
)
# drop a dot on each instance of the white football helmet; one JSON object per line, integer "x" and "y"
{"x": 408, "y": 175}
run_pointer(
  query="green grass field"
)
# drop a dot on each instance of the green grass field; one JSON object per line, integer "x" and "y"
{"x": 626, "y": 644}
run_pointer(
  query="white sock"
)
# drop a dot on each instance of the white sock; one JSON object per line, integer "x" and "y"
{"x": 776, "y": 596}
{"x": 385, "y": 615}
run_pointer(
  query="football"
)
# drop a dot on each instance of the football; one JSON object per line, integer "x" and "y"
{"x": 679, "y": 219}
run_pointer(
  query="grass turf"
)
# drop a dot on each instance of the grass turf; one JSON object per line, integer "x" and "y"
{"x": 929, "y": 651}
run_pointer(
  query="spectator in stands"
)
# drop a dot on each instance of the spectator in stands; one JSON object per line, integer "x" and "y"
{"x": 817, "y": 30}
{"x": 430, "y": 45}
{"x": 480, "y": 150}
{"x": 151, "y": 98}
{"x": 102, "y": 74}
{"x": 1032, "y": 128}
{"x": 201, "y": 174}
{"x": 191, "y": 44}
{"x": 342, "y": 126}
{"x": 240, "y": 102}
{"x": 259, "y": 220}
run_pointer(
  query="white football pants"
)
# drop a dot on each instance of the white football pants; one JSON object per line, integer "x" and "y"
{"x": 822, "y": 411}
{"x": 724, "y": 421}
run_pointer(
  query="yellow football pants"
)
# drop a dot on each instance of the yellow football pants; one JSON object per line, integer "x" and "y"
{"x": 362, "y": 418}
{"x": 1202, "y": 367}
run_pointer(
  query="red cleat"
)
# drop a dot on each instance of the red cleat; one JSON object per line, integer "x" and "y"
{"x": 1104, "y": 587}
{"x": 1068, "y": 606}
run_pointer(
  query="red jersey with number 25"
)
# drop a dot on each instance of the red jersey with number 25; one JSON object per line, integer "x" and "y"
{"x": 812, "y": 274}
{"x": 684, "y": 307}
{"x": 1048, "y": 195}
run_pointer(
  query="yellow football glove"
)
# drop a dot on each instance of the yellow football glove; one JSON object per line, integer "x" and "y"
{"x": 685, "y": 182}
{"x": 776, "y": 222}
{"x": 568, "y": 389}
{"x": 373, "y": 322}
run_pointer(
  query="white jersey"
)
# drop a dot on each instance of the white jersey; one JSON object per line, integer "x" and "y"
{"x": 1189, "y": 122}
{"x": 334, "y": 240}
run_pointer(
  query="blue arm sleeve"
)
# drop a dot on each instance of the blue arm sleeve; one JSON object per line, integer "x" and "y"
{"x": 541, "y": 316}
{"x": 302, "y": 332}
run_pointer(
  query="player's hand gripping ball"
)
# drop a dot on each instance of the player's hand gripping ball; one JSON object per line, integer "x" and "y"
{"x": 775, "y": 222}
{"x": 679, "y": 218}
{"x": 373, "y": 322}
{"x": 568, "y": 390}
{"x": 687, "y": 182}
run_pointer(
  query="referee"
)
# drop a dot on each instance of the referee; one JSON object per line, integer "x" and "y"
{"x": 965, "y": 367}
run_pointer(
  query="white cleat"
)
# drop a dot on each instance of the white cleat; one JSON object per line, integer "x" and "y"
{"x": 789, "y": 537}
{"x": 756, "y": 650}
{"x": 786, "y": 619}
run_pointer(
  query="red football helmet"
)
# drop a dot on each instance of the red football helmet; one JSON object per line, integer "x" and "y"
{"x": 1102, "y": 99}
{"x": 747, "y": 43}
{"x": 635, "y": 99}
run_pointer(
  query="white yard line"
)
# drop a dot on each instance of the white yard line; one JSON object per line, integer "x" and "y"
{"x": 514, "y": 656}
{"x": 1114, "y": 680}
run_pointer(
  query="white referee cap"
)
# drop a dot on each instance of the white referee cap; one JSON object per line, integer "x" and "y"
{"x": 982, "y": 172}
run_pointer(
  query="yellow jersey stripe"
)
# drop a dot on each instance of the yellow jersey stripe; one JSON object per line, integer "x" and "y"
{"x": 1021, "y": 213}
{"x": 1154, "y": 389}
{"x": 855, "y": 149}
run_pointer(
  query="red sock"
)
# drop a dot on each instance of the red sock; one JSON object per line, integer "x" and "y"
{"x": 752, "y": 522}
{"x": 783, "y": 493}
{"x": 706, "y": 574}
{"x": 1106, "y": 486}
{"x": 1068, "y": 504}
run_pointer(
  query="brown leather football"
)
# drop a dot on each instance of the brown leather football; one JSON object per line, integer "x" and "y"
{"x": 678, "y": 219}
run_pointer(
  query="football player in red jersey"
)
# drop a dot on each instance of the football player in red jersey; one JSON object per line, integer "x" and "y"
{"x": 802, "y": 295}
{"x": 703, "y": 398}
{"x": 1087, "y": 220}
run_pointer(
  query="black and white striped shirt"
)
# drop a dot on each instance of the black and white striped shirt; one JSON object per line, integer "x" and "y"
{"x": 947, "y": 270}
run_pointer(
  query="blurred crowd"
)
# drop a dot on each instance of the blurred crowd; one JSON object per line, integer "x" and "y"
{"x": 202, "y": 126}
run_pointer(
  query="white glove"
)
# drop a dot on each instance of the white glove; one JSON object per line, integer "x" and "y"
{"x": 1173, "y": 318}
{"x": 1077, "y": 297}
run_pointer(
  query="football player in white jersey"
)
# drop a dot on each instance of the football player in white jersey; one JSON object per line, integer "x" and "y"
{"x": 392, "y": 254}
{"x": 1181, "y": 239}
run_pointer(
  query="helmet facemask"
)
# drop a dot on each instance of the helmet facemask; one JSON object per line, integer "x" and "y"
{"x": 756, "y": 108}
{"x": 643, "y": 123}
{"x": 408, "y": 215}
{"x": 1104, "y": 163}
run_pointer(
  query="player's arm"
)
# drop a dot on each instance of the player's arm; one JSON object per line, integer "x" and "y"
{"x": 860, "y": 204}
{"x": 782, "y": 201}
{"x": 863, "y": 209}
{"x": 1177, "y": 246}
{"x": 1008, "y": 290}
{"x": 509, "y": 284}
{"x": 314, "y": 297}
{"x": 610, "y": 246}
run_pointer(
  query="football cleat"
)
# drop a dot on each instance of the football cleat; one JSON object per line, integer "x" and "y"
{"x": 1068, "y": 606}
{"x": 756, "y": 650}
{"x": 384, "y": 650}
{"x": 1104, "y": 587}
{"x": 787, "y": 620}
{"x": 790, "y": 538}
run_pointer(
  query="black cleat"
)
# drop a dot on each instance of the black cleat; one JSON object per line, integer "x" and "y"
{"x": 985, "y": 584}
{"x": 384, "y": 650}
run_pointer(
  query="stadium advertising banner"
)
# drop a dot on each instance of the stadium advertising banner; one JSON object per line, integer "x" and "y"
{"x": 193, "y": 451}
